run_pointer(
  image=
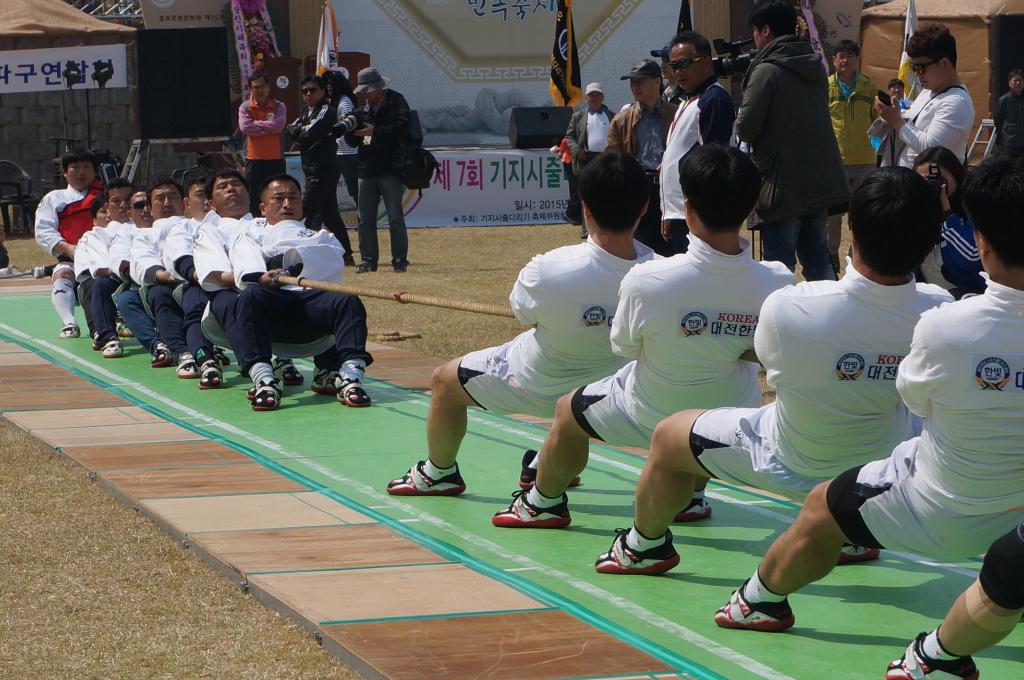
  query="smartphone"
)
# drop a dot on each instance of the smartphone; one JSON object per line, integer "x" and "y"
{"x": 885, "y": 97}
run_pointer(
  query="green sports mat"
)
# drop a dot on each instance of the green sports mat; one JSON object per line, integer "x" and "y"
{"x": 849, "y": 625}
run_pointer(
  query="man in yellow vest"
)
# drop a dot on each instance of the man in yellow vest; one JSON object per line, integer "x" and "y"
{"x": 851, "y": 101}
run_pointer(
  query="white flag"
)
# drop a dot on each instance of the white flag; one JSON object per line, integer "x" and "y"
{"x": 327, "y": 43}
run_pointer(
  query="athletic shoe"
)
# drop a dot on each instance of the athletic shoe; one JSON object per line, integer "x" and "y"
{"x": 528, "y": 475}
{"x": 415, "y": 482}
{"x": 69, "y": 331}
{"x": 699, "y": 508}
{"x": 266, "y": 396}
{"x": 351, "y": 393}
{"x": 852, "y": 554}
{"x": 767, "y": 617}
{"x": 123, "y": 331}
{"x": 161, "y": 356}
{"x": 323, "y": 382}
{"x": 621, "y": 559}
{"x": 211, "y": 377}
{"x": 286, "y": 371}
{"x": 96, "y": 344}
{"x": 187, "y": 367}
{"x": 220, "y": 356}
{"x": 113, "y": 350}
{"x": 521, "y": 513}
{"x": 915, "y": 665}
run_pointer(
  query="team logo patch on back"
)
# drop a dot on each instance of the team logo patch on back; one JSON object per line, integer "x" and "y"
{"x": 595, "y": 315}
{"x": 694, "y": 323}
{"x": 992, "y": 373}
{"x": 850, "y": 366}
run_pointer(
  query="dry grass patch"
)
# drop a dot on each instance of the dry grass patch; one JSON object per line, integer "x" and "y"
{"x": 90, "y": 589}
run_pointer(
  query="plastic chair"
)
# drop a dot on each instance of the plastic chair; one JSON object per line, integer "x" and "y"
{"x": 16, "y": 190}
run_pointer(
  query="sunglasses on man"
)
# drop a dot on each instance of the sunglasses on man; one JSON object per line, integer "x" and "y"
{"x": 920, "y": 67}
{"x": 684, "y": 63}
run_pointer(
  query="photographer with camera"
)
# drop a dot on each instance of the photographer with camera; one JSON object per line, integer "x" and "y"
{"x": 383, "y": 127}
{"x": 311, "y": 131}
{"x": 784, "y": 117}
{"x": 954, "y": 263}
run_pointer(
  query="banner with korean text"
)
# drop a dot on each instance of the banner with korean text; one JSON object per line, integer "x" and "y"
{"x": 41, "y": 70}
{"x": 490, "y": 187}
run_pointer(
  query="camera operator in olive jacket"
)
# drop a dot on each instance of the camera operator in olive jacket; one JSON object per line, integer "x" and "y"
{"x": 380, "y": 142}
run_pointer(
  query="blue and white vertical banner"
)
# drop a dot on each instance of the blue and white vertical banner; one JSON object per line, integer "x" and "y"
{"x": 43, "y": 70}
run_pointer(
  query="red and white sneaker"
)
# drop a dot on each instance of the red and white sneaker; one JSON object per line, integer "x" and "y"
{"x": 528, "y": 475}
{"x": 621, "y": 559}
{"x": 769, "y": 617}
{"x": 521, "y": 513}
{"x": 699, "y": 508}
{"x": 852, "y": 554}
{"x": 914, "y": 665}
{"x": 415, "y": 482}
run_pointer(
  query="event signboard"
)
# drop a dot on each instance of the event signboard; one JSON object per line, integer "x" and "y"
{"x": 182, "y": 13}
{"x": 43, "y": 70}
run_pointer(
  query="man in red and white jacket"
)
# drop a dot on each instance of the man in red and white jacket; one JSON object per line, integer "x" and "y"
{"x": 62, "y": 218}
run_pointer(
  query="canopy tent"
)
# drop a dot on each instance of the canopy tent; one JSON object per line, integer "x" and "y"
{"x": 971, "y": 22}
{"x": 40, "y": 23}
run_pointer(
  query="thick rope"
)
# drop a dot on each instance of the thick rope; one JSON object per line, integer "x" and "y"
{"x": 399, "y": 296}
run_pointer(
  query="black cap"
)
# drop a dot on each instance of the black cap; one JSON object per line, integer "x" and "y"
{"x": 662, "y": 52}
{"x": 645, "y": 68}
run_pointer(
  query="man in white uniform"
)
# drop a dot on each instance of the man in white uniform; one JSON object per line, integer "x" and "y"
{"x": 568, "y": 296}
{"x": 685, "y": 321}
{"x": 831, "y": 350}
{"x": 960, "y": 485}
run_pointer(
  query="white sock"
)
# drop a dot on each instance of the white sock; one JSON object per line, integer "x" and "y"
{"x": 698, "y": 495}
{"x": 435, "y": 472}
{"x": 63, "y": 298}
{"x": 933, "y": 649}
{"x": 640, "y": 543}
{"x": 756, "y": 591}
{"x": 353, "y": 369}
{"x": 539, "y": 500}
{"x": 535, "y": 462}
{"x": 261, "y": 372}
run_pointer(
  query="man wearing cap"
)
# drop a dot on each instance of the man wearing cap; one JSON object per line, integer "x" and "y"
{"x": 640, "y": 130}
{"x": 587, "y": 136}
{"x": 705, "y": 116}
{"x": 673, "y": 94}
{"x": 378, "y": 141}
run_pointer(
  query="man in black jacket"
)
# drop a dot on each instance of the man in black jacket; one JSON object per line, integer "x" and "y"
{"x": 311, "y": 131}
{"x": 1010, "y": 114}
{"x": 379, "y": 142}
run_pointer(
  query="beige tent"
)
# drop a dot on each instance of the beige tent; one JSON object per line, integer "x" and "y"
{"x": 969, "y": 20}
{"x": 28, "y": 24}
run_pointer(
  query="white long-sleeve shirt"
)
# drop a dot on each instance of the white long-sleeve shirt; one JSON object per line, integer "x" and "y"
{"x": 147, "y": 248}
{"x": 47, "y": 232}
{"x": 319, "y": 252}
{"x": 105, "y": 247}
{"x": 212, "y": 242}
{"x": 569, "y": 294}
{"x": 944, "y": 119}
{"x": 831, "y": 350}
{"x": 686, "y": 320}
{"x": 965, "y": 376}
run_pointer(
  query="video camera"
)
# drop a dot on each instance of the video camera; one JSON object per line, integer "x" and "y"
{"x": 732, "y": 61}
{"x": 350, "y": 122}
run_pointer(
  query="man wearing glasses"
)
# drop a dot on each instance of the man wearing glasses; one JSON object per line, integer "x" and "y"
{"x": 705, "y": 116}
{"x": 943, "y": 114}
{"x": 311, "y": 131}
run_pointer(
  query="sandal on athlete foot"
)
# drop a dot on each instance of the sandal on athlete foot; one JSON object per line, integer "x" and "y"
{"x": 285, "y": 369}
{"x": 266, "y": 396}
{"x": 69, "y": 331}
{"x": 351, "y": 393}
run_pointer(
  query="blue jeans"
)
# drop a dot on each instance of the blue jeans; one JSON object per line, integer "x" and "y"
{"x": 804, "y": 237}
{"x": 129, "y": 303}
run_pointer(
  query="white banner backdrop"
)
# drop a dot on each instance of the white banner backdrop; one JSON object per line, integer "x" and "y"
{"x": 40, "y": 70}
{"x": 483, "y": 188}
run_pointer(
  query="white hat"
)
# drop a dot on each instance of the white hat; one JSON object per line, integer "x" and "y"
{"x": 594, "y": 87}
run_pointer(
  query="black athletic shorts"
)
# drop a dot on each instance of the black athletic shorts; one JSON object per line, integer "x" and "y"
{"x": 1002, "y": 574}
{"x": 844, "y": 497}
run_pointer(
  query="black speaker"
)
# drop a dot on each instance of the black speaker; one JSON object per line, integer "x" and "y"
{"x": 1007, "y": 50}
{"x": 538, "y": 127}
{"x": 183, "y": 84}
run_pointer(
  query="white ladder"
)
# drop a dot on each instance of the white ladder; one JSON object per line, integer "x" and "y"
{"x": 988, "y": 142}
{"x": 131, "y": 163}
